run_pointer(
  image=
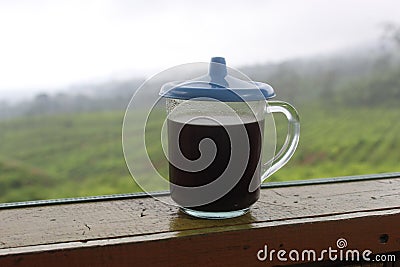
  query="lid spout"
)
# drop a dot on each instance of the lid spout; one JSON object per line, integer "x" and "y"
{"x": 218, "y": 72}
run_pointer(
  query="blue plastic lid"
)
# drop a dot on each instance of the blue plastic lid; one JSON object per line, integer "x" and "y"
{"x": 218, "y": 85}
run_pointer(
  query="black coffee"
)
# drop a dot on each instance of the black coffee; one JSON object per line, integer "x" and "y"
{"x": 189, "y": 139}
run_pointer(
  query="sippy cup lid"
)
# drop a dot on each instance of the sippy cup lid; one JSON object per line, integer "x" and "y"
{"x": 218, "y": 85}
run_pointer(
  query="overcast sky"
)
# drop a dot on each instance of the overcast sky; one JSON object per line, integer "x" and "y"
{"x": 48, "y": 45}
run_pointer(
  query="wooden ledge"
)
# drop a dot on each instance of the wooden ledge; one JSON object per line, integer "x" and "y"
{"x": 146, "y": 232}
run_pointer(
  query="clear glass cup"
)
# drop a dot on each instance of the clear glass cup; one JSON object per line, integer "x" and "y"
{"x": 215, "y": 153}
{"x": 217, "y": 141}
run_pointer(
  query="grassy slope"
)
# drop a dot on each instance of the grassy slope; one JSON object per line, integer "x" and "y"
{"x": 81, "y": 154}
{"x": 77, "y": 155}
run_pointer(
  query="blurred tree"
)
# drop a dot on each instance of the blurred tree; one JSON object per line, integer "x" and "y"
{"x": 391, "y": 32}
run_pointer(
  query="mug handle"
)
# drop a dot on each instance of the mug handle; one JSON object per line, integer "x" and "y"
{"x": 292, "y": 137}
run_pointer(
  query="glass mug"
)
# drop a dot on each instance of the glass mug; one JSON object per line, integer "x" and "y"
{"x": 215, "y": 142}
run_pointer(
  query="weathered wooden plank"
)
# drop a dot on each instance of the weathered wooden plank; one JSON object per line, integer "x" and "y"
{"x": 223, "y": 248}
{"x": 362, "y": 210}
{"x": 87, "y": 221}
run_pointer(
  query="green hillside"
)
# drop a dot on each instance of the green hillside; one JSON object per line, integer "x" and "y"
{"x": 62, "y": 156}
{"x": 80, "y": 154}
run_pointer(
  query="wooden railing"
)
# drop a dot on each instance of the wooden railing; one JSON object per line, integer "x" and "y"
{"x": 135, "y": 230}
